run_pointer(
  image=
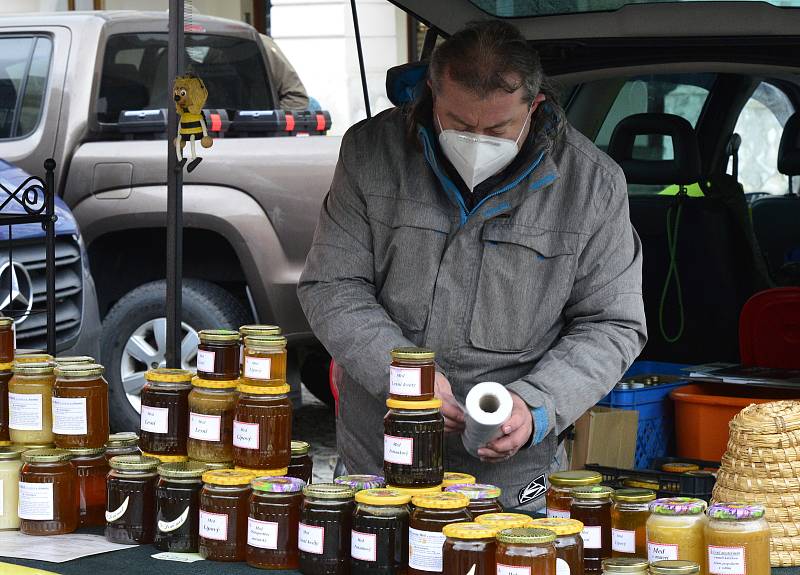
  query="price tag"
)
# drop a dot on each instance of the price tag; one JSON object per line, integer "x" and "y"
{"x": 69, "y": 416}
{"x": 205, "y": 427}
{"x": 405, "y": 381}
{"x": 364, "y": 546}
{"x": 155, "y": 419}
{"x": 311, "y": 539}
{"x": 262, "y": 534}
{"x": 398, "y": 450}
{"x": 245, "y": 435}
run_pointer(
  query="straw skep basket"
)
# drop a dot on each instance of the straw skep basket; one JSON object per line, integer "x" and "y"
{"x": 762, "y": 465}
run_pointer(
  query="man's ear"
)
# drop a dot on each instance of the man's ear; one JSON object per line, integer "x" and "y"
{"x": 537, "y": 100}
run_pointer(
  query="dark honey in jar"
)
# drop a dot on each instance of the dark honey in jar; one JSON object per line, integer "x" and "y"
{"x": 591, "y": 506}
{"x": 262, "y": 428}
{"x": 325, "y": 529}
{"x": 425, "y": 538}
{"x": 526, "y": 550}
{"x": 559, "y": 495}
{"x": 483, "y": 498}
{"x": 5, "y": 376}
{"x": 224, "y": 506}
{"x": 178, "y": 506}
{"x": 413, "y": 443}
{"x": 569, "y": 543}
{"x": 7, "y": 342}
{"x": 122, "y": 443}
{"x": 91, "y": 468}
{"x": 469, "y": 548}
{"x": 273, "y": 522}
{"x": 264, "y": 360}
{"x": 80, "y": 407}
{"x": 379, "y": 539}
{"x": 412, "y": 374}
{"x": 301, "y": 465}
{"x": 131, "y": 499}
{"x": 218, "y": 354}
{"x": 165, "y": 411}
{"x": 48, "y": 493}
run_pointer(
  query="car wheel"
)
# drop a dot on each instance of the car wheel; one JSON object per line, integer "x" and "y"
{"x": 135, "y": 338}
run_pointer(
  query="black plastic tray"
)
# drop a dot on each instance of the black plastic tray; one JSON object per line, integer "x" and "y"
{"x": 669, "y": 484}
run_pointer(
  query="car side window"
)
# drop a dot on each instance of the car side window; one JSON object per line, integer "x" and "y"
{"x": 760, "y": 126}
{"x": 24, "y": 66}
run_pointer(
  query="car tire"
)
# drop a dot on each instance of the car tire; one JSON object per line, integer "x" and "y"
{"x": 315, "y": 375}
{"x": 140, "y": 314}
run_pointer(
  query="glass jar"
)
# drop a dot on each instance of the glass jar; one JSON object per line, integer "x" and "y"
{"x": 224, "y": 505}
{"x": 737, "y": 539}
{"x": 273, "y": 522}
{"x": 301, "y": 465}
{"x": 559, "y": 495}
{"x": 675, "y": 530}
{"x": 455, "y": 478}
{"x": 131, "y": 499}
{"x": 500, "y": 521}
{"x": 218, "y": 354}
{"x": 425, "y": 538}
{"x": 80, "y": 407}
{"x": 248, "y": 330}
{"x": 91, "y": 468}
{"x": 414, "y": 491}
{"x": 30, "y": 405}
{"x": 379, "y": 539}
{"x": 569, "y": 543}
{"x": 48, "y": 491}
{"x": 526, "y": 550}
{"x": 74, "y": 360}
{"x": 7, "y": 339}
{"x": 326, "y": 523}
{"x": 6, "y": 374}
{"x": 674, "y": 568}
{"x": 625, "y": 566}
{"x": 469, "y": 548}
{"x": 413, "y": 443}
{"x": 178, "y": 506}
{"x": 629, "y": 516}
{"x": 10, "y": 465}
{"x": 483, "y": 498}
{"x": 123, "y": 443}
{"x": 262, "y": 427}
{"x": 212, "y": 404}
{"x": 591, "y": 506}
{"x": 412, "y": 374}
{"x": 264, "y": 360}
{"x": 360, "y": 482}
{"x": 165, "y": 411}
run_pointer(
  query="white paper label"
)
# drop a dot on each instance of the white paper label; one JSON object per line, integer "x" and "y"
{"x": 562, "y": 567}
{"x": 726, "y": 560}
{"x": 557, "y": 513}
{"x": 155, "y": 419}
{"x": 405, "y": 381}
{"x": 311, "y": 539}
{"x": 592, "y": 537}
{"x": 168, "y": 526}
{"x": 245, "y": 435}
{"x": 398, "y": 450}
{"x": 112, "y": 516}
{"x": 205, "y": 361}
{"x": 364, "y": 546}
{"x": 425, "y": 550}
{"x": 257, "y": 367}
{"x": 35, "y": 501}
{"x": 2, "y": 505}
{"x": 214, "y": 526}
{"x": 69, "y": 415}
{"x": 205, "y": 427}
{"x": 25, "y": 411}
{"x": 661, "y": 552}
{"x": 623, "y": 541}
{"x": 512, "y": 570}
{"x": 262, "y": 534}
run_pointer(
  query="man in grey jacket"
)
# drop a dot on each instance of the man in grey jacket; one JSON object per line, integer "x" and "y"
{"x": 477, "y": 223}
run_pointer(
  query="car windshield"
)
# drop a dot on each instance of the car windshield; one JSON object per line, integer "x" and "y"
{"x": 527, "y": 8}
{"x": 135, "y": 73}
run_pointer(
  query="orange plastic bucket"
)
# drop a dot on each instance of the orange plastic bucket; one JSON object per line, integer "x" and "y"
{"x": 703, "y": 411}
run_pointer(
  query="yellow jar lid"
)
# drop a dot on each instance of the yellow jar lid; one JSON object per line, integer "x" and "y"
{"x": 416, "y": 490}
{"x": 504, "y": 520}
{"x": 418, "y": 353}
{"x": 167, "y": 458}
{"x": 382, "y": 496}
{"x": 414, "y": 405}
{"x": 455, "y": 478}
{"x": 215, "y": 384}
{"x": 674, "y": 568}
{"x": 218, "y": 335}
{"x": 634, "y": 495}
{"x": 168, "y": 375}
{"x": 34, "y": 368}
{"x": 560, "y": 527}
{"x": 679, "y": 467}
{"x": 265, "y": 341}
{"x": 526, "y": 536}
{"x": 625, "y": 565}
{"x": 227, "y": 477}
{"x": 264, "y": 389}
{"x": 575, "y": 478}
{"x": 6, "y": 366}
{"x": 246, "y": 330}
{"x": 72, "y": 359}
{"x": 79, "y": 370}
{"x": 5, "y": 443}
{"x": 300, "y": 447}
{"x": 469, "y": 531}
{"x": 6, "y": 321}
{"x": 32, "y": 358}
{"x": 280, "y": 472}
{"x": 441, "y": 501}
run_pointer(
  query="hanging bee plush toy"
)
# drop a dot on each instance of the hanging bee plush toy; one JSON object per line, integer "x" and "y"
{"x": 190, "y": 96}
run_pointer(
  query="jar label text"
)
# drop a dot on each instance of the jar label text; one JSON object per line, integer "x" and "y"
{"x": 245, "y": 435}
{"x": 562, "y": 567}
{"x": 623, "y": 541}
{"x": 661, "y": 552}
{"x": 557, "y": 513}
{"x": 169, "y": 526}
{"x": 205, "y": 427}
{"x": 398, "y": 450}
{"x": 364, "y": 546}
{"x": 592, "y": 537}
{"x": 512, "y": 570}
{"x": 405, "y": 381}
{"x": 35, "y": 501}
{"x": 69, "y": 416}
{"x": 311, "y": 539}
{"x": 257, "y": 367}
{"x": 214, "y": 526}
{"x": 155, "y": 419}
{"x": 25, "y": 411}
{"x": 112, "y": 516}
{"x": 206, "y": 360}
{"x": 726, "y": 560}
{"x": 2, "y": 503}
{"x": 425, "y": 550}
{"x": 262, "y": 534}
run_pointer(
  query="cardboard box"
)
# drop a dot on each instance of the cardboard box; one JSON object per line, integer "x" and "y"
{"x": 605, "y": 436}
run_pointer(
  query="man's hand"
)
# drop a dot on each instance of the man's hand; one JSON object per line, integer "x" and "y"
{"x": 516, "y": 432}
{"x": 453, "y": 416}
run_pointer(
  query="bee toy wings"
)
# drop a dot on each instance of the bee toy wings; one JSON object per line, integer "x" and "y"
{"x": 190, "y": 95}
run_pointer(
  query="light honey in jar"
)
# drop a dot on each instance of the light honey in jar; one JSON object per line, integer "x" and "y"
{"x": 737, "y": 539}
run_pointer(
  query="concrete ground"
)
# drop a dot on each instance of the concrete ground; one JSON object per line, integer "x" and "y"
{"x": 315, "y": 423}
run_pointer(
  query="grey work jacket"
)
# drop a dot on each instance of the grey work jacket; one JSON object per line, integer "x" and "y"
{"x": 538, "y": 287}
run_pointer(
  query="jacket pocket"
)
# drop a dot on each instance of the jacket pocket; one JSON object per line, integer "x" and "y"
{"x": 409, "y": 239}
{"x": 525, "y": 278}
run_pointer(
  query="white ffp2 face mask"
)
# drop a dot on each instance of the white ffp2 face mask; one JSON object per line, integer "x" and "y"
{"x": 477, "y": 157}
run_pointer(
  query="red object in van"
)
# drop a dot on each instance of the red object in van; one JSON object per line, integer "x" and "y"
{"x": 769, "y": 329}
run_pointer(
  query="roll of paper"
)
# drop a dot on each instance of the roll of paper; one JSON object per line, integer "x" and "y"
{"x": 488, "y": 406}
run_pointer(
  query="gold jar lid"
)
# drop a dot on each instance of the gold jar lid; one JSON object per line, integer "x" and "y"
{"x": 414, "y": 353}
{"x": 328, "y": 491}
{"x": 469, "y": 531}
{"x": 87, "y": 451}
{"x": 625, "y": 565}
{"x": 34, "y": 368}
{"x": 31, "y": 446}
{"x": 640, "y": 483}
{"x": 168, "y": 375}
{"x": 6, "y": 366}
{"x": 247, "y": 330}
{"x": 34, "y": 357}
{"x": 300, "y": 447}
{"x": 79, "y": 370}
{"x": 634, "y": 495}
{"x": 72, "y": 359}
{"x": 679, "y": 467}
{"x": 674, "y": 568}
{"x": 182, "y": 470}
{"x": 197, "y": 381}
{"x": 575, "y": 478}
{"x": 46, "y": 455}
{"x": 122, "y": 439}
{"x": 264, "y": 389}
{"x": 592, "y": 492}
{"x": 444, "y": 500}
{"x": 6, "y": 321}
{"x": 526, "y": 536}
{"x": 10, "y": 453}
{"x": 423, "y": 405}
{"x": 134, "y": 463}
{"x": 264, "y": 341}
{"x": 559, "y": 526}
{"x": 218, "y": 336}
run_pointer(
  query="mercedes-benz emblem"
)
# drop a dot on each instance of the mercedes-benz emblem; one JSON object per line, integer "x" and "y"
{"x": 17, "y": 303}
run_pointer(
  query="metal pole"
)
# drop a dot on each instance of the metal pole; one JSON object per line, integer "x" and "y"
{"x": 360, "y": 58}
{"x": 175, "y": 52}
{"x": 50, "y": 249}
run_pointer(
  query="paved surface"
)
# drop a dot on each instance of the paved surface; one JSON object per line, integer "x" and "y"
{"x": 316, "y": 424}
